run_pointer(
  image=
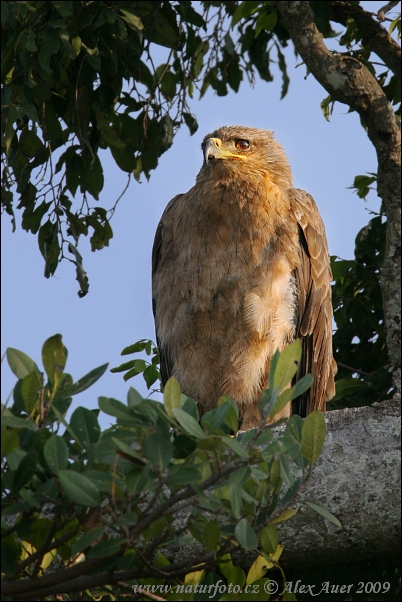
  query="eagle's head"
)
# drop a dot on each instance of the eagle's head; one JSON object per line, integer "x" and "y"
{"x": 239, "y": 151}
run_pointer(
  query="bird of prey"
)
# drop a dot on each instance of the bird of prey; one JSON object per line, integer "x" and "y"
{"x": 240, "y": 268}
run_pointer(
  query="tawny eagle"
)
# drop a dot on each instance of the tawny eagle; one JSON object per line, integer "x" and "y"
{"x": 240, "y": 268}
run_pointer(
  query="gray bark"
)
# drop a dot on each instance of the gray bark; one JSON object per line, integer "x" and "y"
{"x": 357, "y": 478}
{"x": 350, "y": 82}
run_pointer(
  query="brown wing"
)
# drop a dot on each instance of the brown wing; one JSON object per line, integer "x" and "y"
{"x": 313, "y": 278}
{"x": 158, "y": 250}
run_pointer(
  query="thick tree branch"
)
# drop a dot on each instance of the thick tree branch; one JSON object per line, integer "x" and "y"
{"x": 374, "y": 35}
{"x": 349, "y": 81}
{"x": 357, "y": 478}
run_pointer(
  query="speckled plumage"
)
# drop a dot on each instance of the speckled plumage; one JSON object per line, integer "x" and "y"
{"x": 241, "y": 268}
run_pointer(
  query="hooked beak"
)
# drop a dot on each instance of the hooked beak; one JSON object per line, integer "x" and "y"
{"x": 213, "y": 150}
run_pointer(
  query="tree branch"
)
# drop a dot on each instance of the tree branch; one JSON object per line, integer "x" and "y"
{"x": 357, "y": 478}
{"x": 374, "y": 36}
{"x": 347, "y": 80}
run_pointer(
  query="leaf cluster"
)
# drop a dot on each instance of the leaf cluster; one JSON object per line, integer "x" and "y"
{"x": 85, "y": 509}
{"x": 78, "y": 78}
{"x": 360, "y": 339}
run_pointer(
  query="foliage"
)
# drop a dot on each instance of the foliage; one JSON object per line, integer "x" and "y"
{"x": 360, "y": 339}
{"x": 149, "y": 370}
{"x": 80, "y": 77}
{"x": 84, "y": 509}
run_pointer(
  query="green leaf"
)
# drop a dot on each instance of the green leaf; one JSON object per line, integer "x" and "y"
{"x": 151, "y": 375}
{"x": 269, "y": 539}
{"x": 30, "y": 43}
{"x": 55, "y": 453}
{"x": 313, "y": 435}
{"x": 158, "y": 450}
{"x": 128, "y": 451}
{"x": 295, "y": 426}
{"x": 244, "y": 10}
{"x": 164, "y": 28}
{"x": 287, "y": 471}
{"x": 85, "y": 426}
{"x": 54, "y": 358}
{"x": 275, "y": 478}
{"x": 215, "y": 419}
{"x": 30, "y": 386}
{"x": 143, "y": 344}
{"x": 171, "y": 396}
{"x": 302, "y": 385}
{"x": 236, "y": 446}
{"x": 232, "y": 418}
{"x": 239, "y": 476}
{"x": 125, "y": 159}
{"x": 132, "y": 19}
{"x": 284, "y": 516}
{"x": 246, "y": 535}
{"x": 211, "y": 535}
{"x": 63, "y": 7}
{"x": 286, "y": 367}
{"x": 348, "y": 386}
{"x": 16, "y": 422}
{"x": 136, "y": 480}
{"x": 191, "y": 122}
{"x": 323, "y": 14}
{"x": 395, "y": 23}
{"x": 183, "y": 475}
{"x": 325, "y": 513}
{"x": 86, "y": 540}
{"x": 281, "y": 402}
{"x": 236, "y": 501}
{"x": 79, "y": 488}
{"x": 49, "y": 45}
{"x": 183, "y": 446}
{"x": 20, "y": 363}
{"x": 188, "y": 423}
{"x": 30, "y": 143}
{"x": 133, "y": 397}
{"x": 128, "y": 518}
{"x": 9, "y": 441}
{"x": 236, "y": 576}
{"x": 87, "y": 381}
{"x": 327, "y": 106}
{"x": 106, "y": 548}
{"x": 25, "y": 471}
{"x": 265, "y": 21}
{"x": 258, "y": 569}
{"x": 113, "y": 407}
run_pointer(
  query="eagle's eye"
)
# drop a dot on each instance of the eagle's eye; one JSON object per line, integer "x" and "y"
{"x": 242, "y": 144}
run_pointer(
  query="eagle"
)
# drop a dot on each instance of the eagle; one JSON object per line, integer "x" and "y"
{"x": 240, "y": 268}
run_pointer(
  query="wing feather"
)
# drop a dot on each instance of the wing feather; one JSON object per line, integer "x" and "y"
{"x": 158, "y": 252}
{"x": 313, "y": 278}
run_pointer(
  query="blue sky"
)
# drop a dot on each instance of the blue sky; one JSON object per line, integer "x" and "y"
{"x": 325, "y": 157}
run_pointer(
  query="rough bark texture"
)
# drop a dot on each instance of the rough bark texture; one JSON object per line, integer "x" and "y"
{"x": 357, "y": 478}
{"x": 350, "y": 82}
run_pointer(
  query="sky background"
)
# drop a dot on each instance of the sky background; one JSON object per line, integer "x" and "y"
{"x": 325, "y": 158}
